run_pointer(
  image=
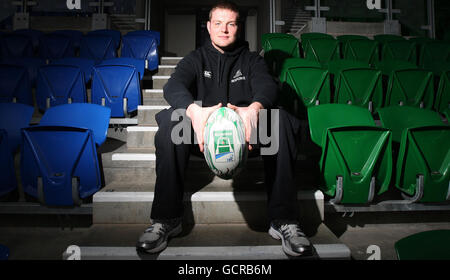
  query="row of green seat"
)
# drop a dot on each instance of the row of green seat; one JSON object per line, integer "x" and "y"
{"x": 306, "y": 83}
{"x": 426, "y": 53}
{"x": 357, "y": 161}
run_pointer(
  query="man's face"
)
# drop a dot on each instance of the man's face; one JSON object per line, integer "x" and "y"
{"x": 223, "y": 28}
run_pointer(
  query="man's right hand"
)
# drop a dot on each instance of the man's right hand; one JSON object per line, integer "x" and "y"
{"x": 199, "y": 116}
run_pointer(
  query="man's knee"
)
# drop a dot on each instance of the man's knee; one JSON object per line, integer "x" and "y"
{"x": 174, "y": 128}
{"x": 282, "y": 126}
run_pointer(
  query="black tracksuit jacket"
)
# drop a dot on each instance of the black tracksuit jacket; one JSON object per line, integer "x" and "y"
{"x": 237, "y": 76}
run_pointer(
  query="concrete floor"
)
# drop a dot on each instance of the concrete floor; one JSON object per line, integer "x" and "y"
{"x": 47, "y": 238}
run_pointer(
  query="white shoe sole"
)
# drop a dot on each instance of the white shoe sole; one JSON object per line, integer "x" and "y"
{"x": 276, "y": 235}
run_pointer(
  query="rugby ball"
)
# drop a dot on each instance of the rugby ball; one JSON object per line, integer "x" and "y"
{"x": 225, "y": 149}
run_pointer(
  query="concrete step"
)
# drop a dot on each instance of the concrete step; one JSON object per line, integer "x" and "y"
{"x": 206, "y": 242}
{"x": 166, "y": 70}
{"x": 159, "y": 81}
{"x": 207, "y": 206}
{"x": 297, "y": 22}
{"x": 153, "y": 97}
{"x": 130, "y": 180}
{"x": 146, "y": 114}
{"x": 167, "y": 60}
{"x": 141, "y": 136}
{"x": 133, "y": 163}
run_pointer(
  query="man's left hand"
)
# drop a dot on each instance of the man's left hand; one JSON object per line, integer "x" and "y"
{"x": 249, "y": 116}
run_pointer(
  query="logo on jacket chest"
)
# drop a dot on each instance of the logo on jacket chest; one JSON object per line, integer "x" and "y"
{"x": 207, "y": 74}
{"x": 238, "y": 76}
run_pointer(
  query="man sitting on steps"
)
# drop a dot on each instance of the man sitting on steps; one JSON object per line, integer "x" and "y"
{"x": 208, "y": 74}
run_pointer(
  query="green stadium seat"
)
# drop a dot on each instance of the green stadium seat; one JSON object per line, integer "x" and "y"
{"x": 427, "y": 245}
{"x": 305, "y": 86}
{"x": 322, "y": 50}
{"x": 388, "y": 66}
{"x": 349, "y": 176}
{"x": 443, "y": 94}
{"x": 383, "y": 38}
{"x": 344, "y": 39}
{"x": 296, "y": 62}
{"x": 412, "y": 87}
{"x": 447, "y": 114}
{"x": 422, "y": 170}
{"x": 361, "y": 87}
{"x": 336, "y": 66}
{"x": 277, "y": 48}
{"x": 420, "y": 42}
{"x": 363, "y": 50}
{"x": 434, "y": 52}
{"x": 438, "y": 67}
{"x": 399, "y": 50}
{"x": 305, "y": 37}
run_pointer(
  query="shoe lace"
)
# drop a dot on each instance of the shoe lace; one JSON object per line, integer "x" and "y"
{"x": 291, "y": 230}
{"x": 157, "y": 228}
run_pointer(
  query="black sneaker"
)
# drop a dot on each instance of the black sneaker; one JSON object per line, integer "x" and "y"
{"x": 294, "y": 241}
{"x": 154, "y": 238}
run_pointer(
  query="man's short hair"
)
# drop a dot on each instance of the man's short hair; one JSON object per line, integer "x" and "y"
{"x": 226, "y": 5}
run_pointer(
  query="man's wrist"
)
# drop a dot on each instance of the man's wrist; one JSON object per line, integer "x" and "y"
{"x": 256, "y": 106}
{"x": 190, "y": 109}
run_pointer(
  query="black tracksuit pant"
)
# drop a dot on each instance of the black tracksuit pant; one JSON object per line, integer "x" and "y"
{"x": 172, "y": 160}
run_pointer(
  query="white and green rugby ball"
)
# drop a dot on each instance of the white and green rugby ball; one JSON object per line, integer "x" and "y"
{"x": 225, "y": 149}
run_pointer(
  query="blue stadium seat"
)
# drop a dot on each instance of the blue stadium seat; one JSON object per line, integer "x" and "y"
{"x": 32, "y": 64}
{"x": 59, "y": 161}
{"x": 8, "y": 181}
{"x": 4, "y": 252}
{"x": 97, "y": 47}
{"x": 16, "y": 45}
{"x": 85, "y": 65}
{"x": 137, "y": 63}
{"x": 80, "y": 115}
{"x": 155, "y": 34}
{"x": 141, "y": 47}
{"x": 117, "y": 87}
{"x": 75, "y": 35}
{"x": 54, "y": 46}
{"x": 59, "y": 84}
{"x": 15, "y": 84}
{"x": 32, "y": 34}
{"x": 13, "y": 117}
{"x": 115, "y": 34}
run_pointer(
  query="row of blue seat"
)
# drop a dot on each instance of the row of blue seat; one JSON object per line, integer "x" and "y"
{"x": 32, "y": 65}
{"x": 96, "y": 45}
{"x": 115, "y": 84}
{"x": 58, "y": 160}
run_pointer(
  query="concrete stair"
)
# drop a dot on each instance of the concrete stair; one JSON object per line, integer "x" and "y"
{"x": 206, "y": 242}
{"x": 122, "y": 22}
{"x": 229, "y": 215}
{"x": 295, "y": 19}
